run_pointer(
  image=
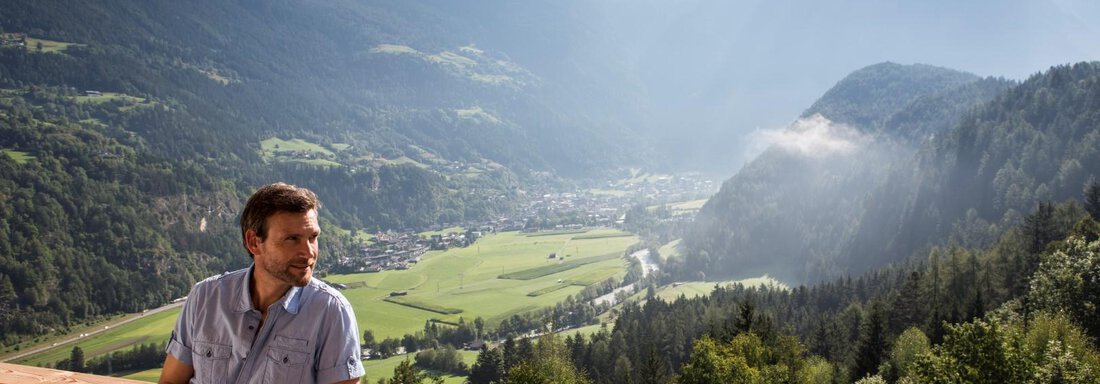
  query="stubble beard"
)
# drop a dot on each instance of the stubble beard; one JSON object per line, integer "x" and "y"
{"x": 282, "y": 272}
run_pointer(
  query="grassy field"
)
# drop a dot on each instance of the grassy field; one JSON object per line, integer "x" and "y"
{"x": 587, "y": 330}
{"x": 443, "y": 231}
{"x": 600, "y": 236}
{"x": 19, "y": 157}
{"x": 560, "y": 266}
{"x": 298, "y": 150}
{"x": 402, "y": 160}
{"x": 693, "y": 205}
{"x": 461, "y": 279}
{"x": 467, "y": 279}
{"x": 384, "y": 368}
{"x": 153, "y": 329}
{"x": 48, "y": 46}
{"x": 108, "y": 97}
{"x": 375, "y": 369}
{"x": 275, "y": 145}
{"x": 702, "y": 288}
{"x": 670, "y": 250}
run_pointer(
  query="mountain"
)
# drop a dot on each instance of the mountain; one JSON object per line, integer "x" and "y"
{"x": 793, "y": 210}
{"x": 1035, "y": 142}
{"x": 379, "y": 76}
{"x": 867, "y": 97}
{"x": 131, "y": 131}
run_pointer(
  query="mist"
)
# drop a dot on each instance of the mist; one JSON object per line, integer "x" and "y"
{"x": 707, "y": 74}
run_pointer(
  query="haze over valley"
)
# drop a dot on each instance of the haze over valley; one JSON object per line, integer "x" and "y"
{"x": 572, "y": 191}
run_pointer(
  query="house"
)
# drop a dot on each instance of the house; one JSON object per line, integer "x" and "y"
{"x": 475, "y": 345}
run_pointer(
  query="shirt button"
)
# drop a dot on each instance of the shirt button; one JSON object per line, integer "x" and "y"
{"x": 208, "y": 353}
{"x": 284, "y": 359}
{"x": 251, "y": 327}
{"x": 351, "y": 360}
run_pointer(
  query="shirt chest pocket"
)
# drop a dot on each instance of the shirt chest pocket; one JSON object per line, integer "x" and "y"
{"x": 286, "y": 362}
{"x": 211, "y": 361}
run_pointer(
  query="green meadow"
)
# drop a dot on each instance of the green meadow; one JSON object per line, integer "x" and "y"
{"x": 443, "y": 231}
{"x": 154, "y": 328}
{"x": 105, "y": 97}
{"x": 48, "y": 46}
{"x": 19, "y": 157}
{"x": 375, "y": 369}
{"x": 298, "y": 150}
{"x": 384, "y": 368}
{"x": 445, "y": 286}
{"x": 470, "y": 282}
{"x": 276, "y": 144}
{"x": 693, "y": 205}
{"x": 670, "y": 250}
{"x": 703, "y": 288}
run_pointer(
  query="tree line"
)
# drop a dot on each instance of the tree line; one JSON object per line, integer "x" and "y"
{"x": 959, "y": 316}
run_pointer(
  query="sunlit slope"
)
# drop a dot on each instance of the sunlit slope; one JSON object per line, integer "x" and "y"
{"x": 791, "y": 212}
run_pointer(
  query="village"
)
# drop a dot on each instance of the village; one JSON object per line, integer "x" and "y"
{"x": 543, "y": 211}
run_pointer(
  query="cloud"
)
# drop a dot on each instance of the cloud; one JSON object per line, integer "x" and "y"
{"x": 814, "y": 136}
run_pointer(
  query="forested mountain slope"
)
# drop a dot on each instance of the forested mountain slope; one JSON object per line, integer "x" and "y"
{"x": 1039, "y": 141}
{"x": 381, "y": 76}
{"x": 792, "y": 210}
{"x": 131, "y": 132}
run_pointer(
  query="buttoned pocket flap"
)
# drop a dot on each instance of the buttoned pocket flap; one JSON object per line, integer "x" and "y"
{"x": 290, "y": 343}
{"x": 211, "y": 351}
{"x": 284, "y": 357}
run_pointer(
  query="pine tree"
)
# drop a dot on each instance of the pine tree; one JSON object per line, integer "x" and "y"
{"x": 654, "y": 369}
{"x": 489, "y": 367}
{"x": 76, "y": 360}
{"x": 405, "y": 373}
{"x": 1092, "y": 200}
{"x": 1040, "y": 227}
{"x": 872, "y": 342}
{"x": 511, "y": 358}
{"x": 7, "y": 290}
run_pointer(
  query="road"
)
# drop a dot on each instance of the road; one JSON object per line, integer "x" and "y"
{"x": 106, "y": 327}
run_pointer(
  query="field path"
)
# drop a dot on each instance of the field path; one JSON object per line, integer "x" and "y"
{"x": 62, "y": 343}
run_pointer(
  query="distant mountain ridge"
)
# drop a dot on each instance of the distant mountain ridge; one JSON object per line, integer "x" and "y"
{"x": 867, "y": 97}
{"x": 1035, "y": 142}
{"x": 792, "y": 212}
{"x": 138, "y": 120}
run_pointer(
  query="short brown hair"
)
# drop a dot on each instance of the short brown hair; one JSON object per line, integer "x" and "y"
{"x": 272, "y": 199}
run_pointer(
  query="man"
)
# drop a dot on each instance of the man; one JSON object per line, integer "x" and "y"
{"x": 270, "y": 322}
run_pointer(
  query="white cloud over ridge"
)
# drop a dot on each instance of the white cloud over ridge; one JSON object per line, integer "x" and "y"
{"x": 814, "y": 136}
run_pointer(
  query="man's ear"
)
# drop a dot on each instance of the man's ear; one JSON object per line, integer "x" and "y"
{"x": 252, "y": 241}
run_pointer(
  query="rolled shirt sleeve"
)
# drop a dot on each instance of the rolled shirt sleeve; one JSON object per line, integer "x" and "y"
{"x": 339, "y": 359}
{"x": 179, "y": 345}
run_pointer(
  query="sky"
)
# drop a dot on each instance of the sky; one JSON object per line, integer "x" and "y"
{"x": 740, "y": 66}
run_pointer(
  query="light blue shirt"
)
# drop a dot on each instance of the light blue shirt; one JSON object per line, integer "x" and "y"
{"x": 310, "y": 335}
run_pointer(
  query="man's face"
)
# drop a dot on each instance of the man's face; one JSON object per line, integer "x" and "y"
{"x": 290, "y": 249}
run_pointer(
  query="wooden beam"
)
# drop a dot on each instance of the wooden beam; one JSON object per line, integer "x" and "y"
{"x": 25, "y": 374}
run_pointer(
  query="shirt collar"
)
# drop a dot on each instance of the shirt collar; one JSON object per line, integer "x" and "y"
{"x": 291, "y": 301}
